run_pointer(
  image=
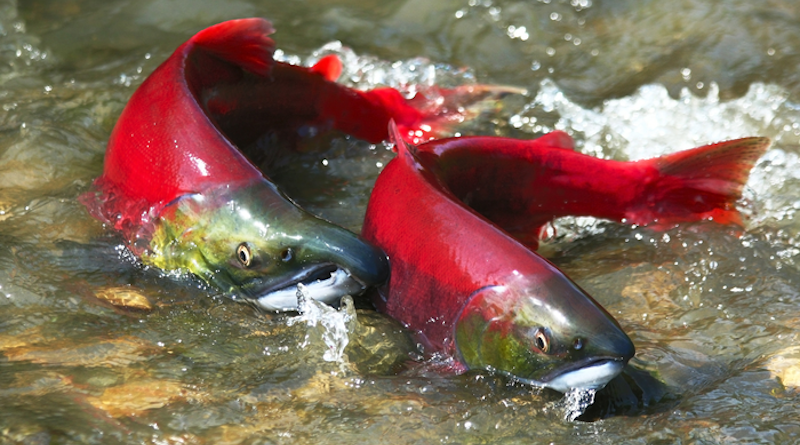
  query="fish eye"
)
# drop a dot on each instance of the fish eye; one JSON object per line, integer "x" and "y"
{"x": 244, "y": 254}
{"x": 287, "y": 254}
{"x": 541, "y": 340}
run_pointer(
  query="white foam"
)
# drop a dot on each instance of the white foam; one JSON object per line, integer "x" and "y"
{"x": 332, "y": 325}
{"x": 366, "y": 72}
{"x": 576, "y": 401}
{"x": 650, "y": 123}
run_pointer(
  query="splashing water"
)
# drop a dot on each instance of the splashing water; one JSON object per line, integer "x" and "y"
{"x": 367, "y": 72}
{"x": 650, "y": 123}
{"x": 333, "y": 326}
{"x": 575, "y": 402}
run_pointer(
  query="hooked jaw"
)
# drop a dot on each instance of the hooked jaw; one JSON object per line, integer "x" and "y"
{"x": 591, "y": 373}
{"x": 564, "y": 341}
{"x": 339, "y": 263}
{"x": 328, "y": 260}
{"x": 252, "y": 243}
{"x": 324, "y": 284}
{"x": 590, "y": 361}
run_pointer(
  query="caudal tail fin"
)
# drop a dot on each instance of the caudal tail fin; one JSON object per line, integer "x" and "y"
{"x": 701, "y": 183}
{"x": 242, "y": 42}
{"x": 436, "y": 112}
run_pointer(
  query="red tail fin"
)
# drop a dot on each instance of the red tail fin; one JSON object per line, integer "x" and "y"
{"x": 330, "y": 67}
{"x": 435, "y": 113}
{"x": 242, "y": 42}
{"x": 701, "y": 183}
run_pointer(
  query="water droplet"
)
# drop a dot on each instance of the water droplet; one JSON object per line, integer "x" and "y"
{"x": 576, "y": 401}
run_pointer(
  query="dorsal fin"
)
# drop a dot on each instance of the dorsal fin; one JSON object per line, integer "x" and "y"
{"x": 242, "y": 42}
{"x": 330, "y": 67}
{"x": 557, "y": 139}
{"x": 400, "y": 144}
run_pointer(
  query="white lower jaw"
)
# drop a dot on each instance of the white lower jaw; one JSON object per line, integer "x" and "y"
{"x": 329, "y": 290}
{"x": 590, "y": 377}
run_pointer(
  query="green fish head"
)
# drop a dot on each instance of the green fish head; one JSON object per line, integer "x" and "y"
{"x": 547, "y": 333}
{"x": 253, "y": 243}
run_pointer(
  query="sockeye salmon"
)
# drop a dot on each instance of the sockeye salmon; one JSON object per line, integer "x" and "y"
{"x": 185, "y": 198}
{"x": 453, "y": 215}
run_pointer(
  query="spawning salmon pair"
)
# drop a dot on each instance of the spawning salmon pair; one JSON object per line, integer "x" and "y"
{"x": 457, "y": 219}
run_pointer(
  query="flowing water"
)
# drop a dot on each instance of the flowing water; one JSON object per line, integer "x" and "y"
{"x": 713, "y": 310}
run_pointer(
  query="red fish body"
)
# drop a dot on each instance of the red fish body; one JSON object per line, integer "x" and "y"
{"x": 183, "y": 128}
{"x": 529, "y": 183}
{"x": 175, "y": 181}
{"x": 453, "y": 215}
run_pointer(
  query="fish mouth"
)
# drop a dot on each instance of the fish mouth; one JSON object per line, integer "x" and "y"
{"x": 589, "y": 373}
{"x": 323, "y": 282}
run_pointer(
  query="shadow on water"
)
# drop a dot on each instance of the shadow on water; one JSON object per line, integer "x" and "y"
{"x": 633, "y": 393}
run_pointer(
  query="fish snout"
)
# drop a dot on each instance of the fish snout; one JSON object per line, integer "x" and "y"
{"x": 280, "y": 247}
{"x": 615, "y": 343}
{"x": 539, "y": 341}
{"x": 363, "y": 261}
{"x": 590, "y": 364}
{"x": 330, "y": 262}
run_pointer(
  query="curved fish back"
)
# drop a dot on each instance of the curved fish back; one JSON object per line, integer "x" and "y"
{"x": 164, "y": 145}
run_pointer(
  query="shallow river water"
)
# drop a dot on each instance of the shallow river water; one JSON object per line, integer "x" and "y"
{"x": 714, "y": 311}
